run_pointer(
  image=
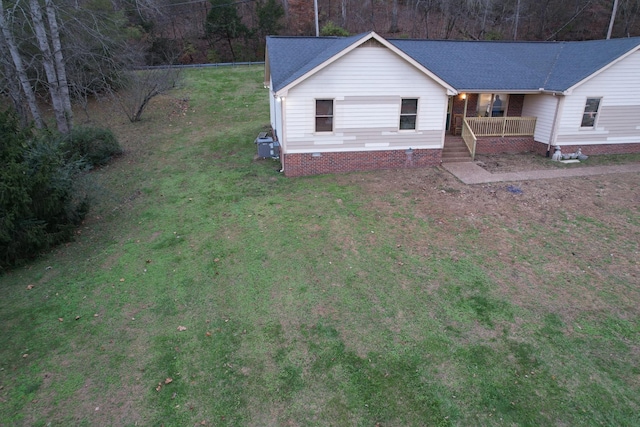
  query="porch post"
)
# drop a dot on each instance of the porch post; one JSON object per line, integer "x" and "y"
{"x": 464, "y": 113}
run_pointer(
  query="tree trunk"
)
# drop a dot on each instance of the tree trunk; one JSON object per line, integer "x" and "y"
{"x": 10, "y": 42}
{"x": 483, "y": 28}
{"x": 372, "y": 16}
{"x": 517, "y": 21}
{"x": 59, "y": 62}
{"x": 613, "y": 18}
{"x": 49, "y": 68}
{"x": 343, "y": 10}
{"x": 12, "y": 82}
{"x": 394, "y": 17}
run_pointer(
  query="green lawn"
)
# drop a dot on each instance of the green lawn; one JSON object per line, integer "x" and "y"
{"x": 391, "y": 298}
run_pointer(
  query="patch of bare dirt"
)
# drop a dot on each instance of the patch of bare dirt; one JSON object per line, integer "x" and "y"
{"x": 568, "y": 246}
{"x": 498, "y": 163}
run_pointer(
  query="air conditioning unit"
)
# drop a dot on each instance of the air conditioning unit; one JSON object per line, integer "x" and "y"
{"x": 267, "y": 147}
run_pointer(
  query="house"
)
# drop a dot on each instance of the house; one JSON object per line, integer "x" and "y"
{"x": 364, "y": 102}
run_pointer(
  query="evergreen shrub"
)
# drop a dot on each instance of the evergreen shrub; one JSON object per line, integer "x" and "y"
{"x": 40, "y": 202}
{"x": 95, "y": 145}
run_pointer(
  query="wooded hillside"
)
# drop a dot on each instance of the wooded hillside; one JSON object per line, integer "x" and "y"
{"x": 70, "y": 50}
{"x": 181, "y": 25}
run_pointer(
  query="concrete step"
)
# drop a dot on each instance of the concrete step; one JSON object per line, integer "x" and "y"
{"x": 458, "y": 153}
{"x": 456, "y": 150}
{"x": 456, "y": 159}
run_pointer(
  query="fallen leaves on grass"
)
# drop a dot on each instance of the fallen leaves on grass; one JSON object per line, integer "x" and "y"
{"x": 122, "y": 279}
{"x": 24, "y": 356}
{"x": 182, "y": 328}
{"x": 29, "y": 287}
{"x": 166, "y": 381}
{"x": 208, "y": 333}
{"x": 60, "y": 319}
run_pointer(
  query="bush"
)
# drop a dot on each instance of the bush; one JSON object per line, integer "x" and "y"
{"x": 39, "y": 202}
{"x": 96, "y": 145}
{"x": 331, "y": 29}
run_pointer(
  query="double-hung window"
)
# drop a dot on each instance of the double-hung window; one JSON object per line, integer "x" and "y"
{"x": 324, "y": 115}
{"x": 408, "y": 113}
{"x": 590, "y": 112}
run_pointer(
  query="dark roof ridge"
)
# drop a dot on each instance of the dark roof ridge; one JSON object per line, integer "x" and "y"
{"x": 480, "y": 65}
{"x": 552, "y": 67}
{"x": 511, "y": 41}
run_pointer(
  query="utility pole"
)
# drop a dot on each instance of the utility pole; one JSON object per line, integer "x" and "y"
{"x": 315, "y": 7}
{"x": 517, "y": 20}
{"x": 613, "y": 18}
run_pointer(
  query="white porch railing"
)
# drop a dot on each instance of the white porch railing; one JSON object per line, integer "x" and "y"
{"x": 501, "y": 126}
{"x": 469, "y": 138}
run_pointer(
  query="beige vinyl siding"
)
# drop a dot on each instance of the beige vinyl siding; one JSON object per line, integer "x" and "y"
{"x": 275, "y": 107}
{"x": 542, "y": 107}
{"x": 272, "y": 109}
{"x": 618, "y": 118}
{"x": 367, "y": 86}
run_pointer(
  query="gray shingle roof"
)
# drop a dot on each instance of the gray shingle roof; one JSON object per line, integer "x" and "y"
{"x": 465, "y": 65}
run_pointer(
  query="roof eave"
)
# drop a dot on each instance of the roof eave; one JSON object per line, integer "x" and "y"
{"x": 267, "y": 68}
{"x": 504, "y": 91}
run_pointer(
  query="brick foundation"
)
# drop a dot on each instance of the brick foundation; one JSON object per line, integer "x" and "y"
{"x": 499, "y": 145}
{"x": 593, "y": 150}
{"x": 308, "y": 164}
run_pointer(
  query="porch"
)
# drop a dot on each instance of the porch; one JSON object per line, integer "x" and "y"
{"x": 489, "y": 122}
{"x": 517, "y": 131}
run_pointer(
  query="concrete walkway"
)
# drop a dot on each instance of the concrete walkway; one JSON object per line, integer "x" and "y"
{"x": 471, "y": 173}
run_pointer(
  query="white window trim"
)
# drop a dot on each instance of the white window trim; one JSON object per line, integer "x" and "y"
{"x": 597, "y": 113}
{"x": 315, "y": 116}
{"x": 415, "y": 128}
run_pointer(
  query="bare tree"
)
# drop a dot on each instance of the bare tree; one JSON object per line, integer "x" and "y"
{"x": 142, "y": 86}
{"x": 629, "y": 14}
{"x": 394, "y": 17}
{"x": 9, "y": 42}
{"x": 343, "y": 12}
{"x": 54, "y": 83}
{"x": 10, "y": 82}
{"x": 61, "y": 71}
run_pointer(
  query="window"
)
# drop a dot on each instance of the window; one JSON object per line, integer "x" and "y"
{"x": 492, "y": 104}
{"x": 324, "y": 115}
{"x": 590, "y": 112}
{"x": 408, "y": 113}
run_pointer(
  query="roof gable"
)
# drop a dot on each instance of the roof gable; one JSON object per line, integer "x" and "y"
{"x": 292, "y": 59}
{"x": 579, "y": 61}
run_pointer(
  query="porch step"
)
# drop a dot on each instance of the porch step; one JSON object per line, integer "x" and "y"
{"x": 453, "y": 159}
{"x": 462, "y": 149}
{"x": 455, "y": 150}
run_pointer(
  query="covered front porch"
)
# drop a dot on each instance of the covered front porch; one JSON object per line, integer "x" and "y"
{"x": 490, "y": 123}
